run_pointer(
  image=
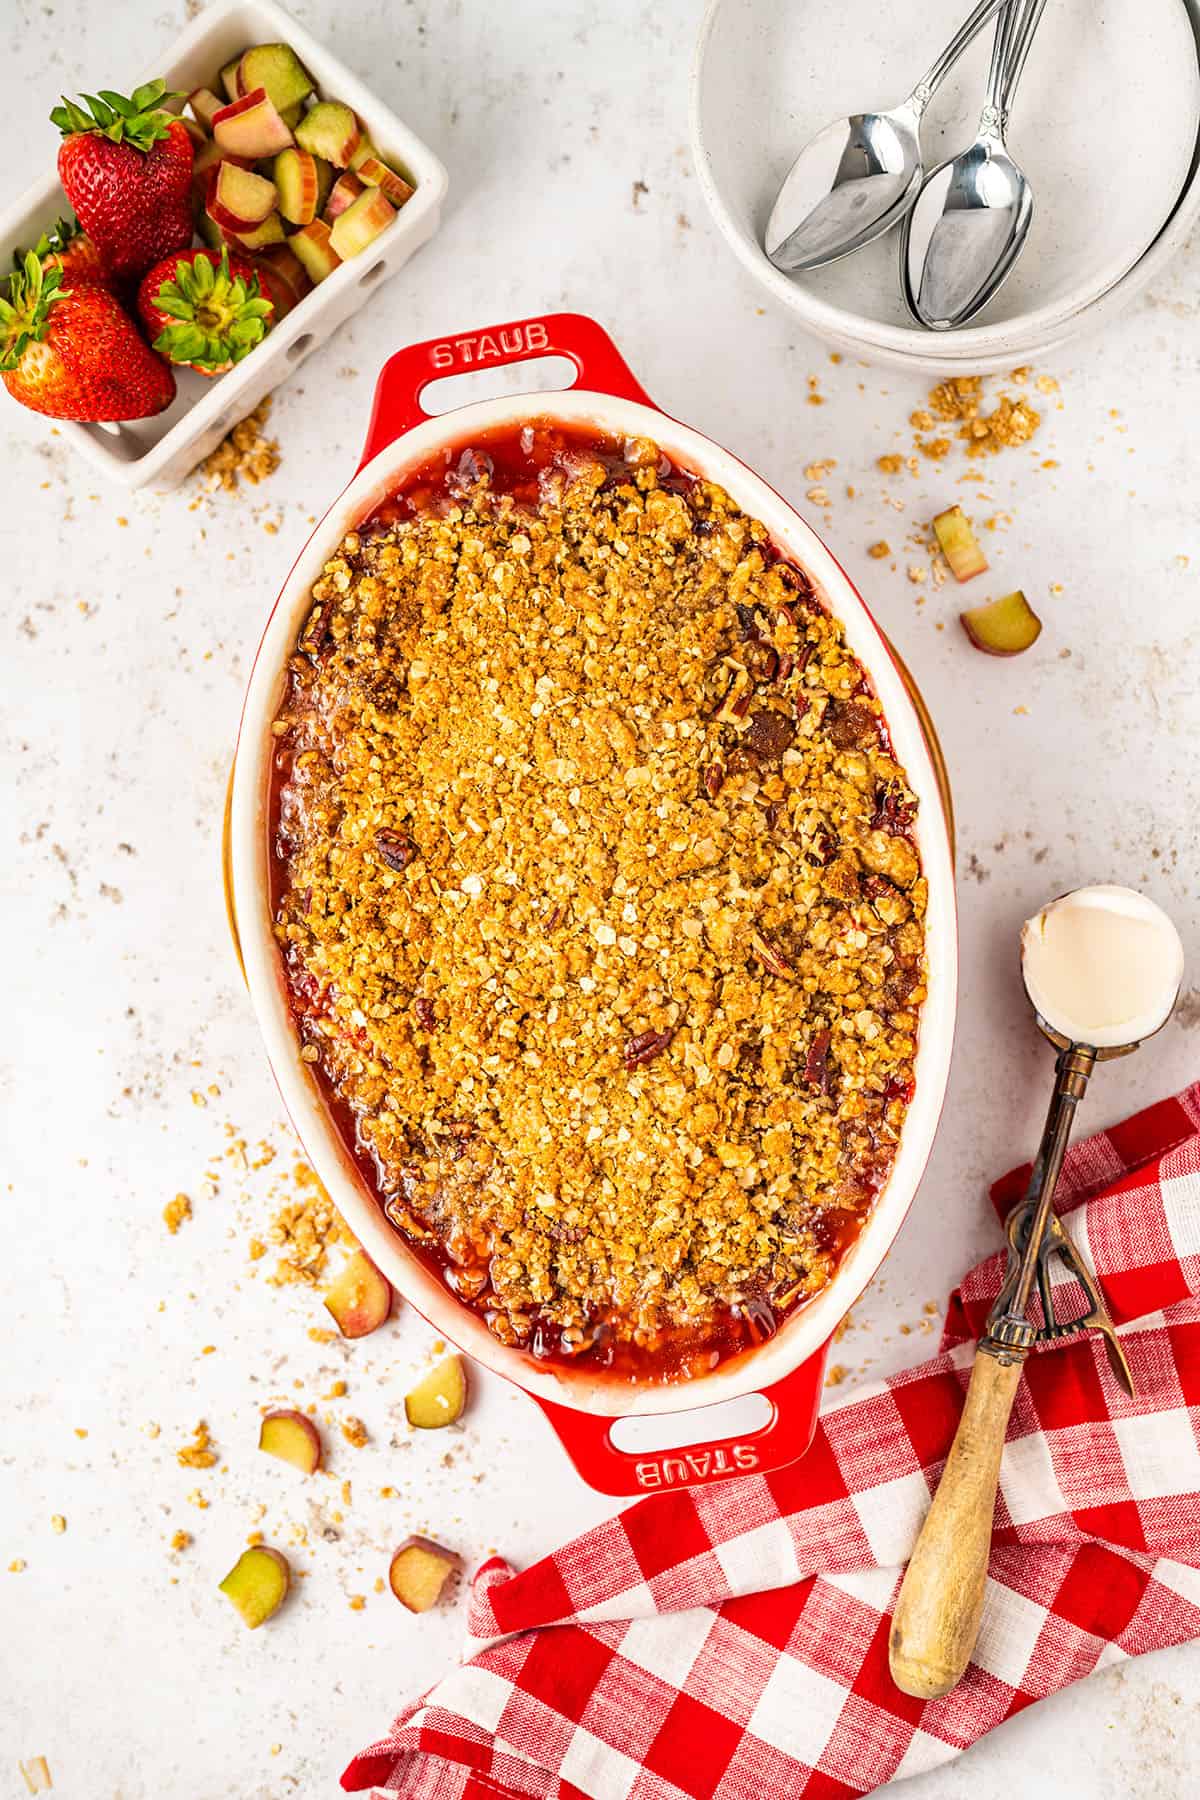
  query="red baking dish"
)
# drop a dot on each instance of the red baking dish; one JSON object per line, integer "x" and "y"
{"x": 582, "y": 1405}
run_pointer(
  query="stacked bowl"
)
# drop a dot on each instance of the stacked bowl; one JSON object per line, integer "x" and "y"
{"x": 1106, "y": 126}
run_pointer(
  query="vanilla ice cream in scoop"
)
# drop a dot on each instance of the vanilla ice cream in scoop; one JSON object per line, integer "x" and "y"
{"x": 1102, "y": 965}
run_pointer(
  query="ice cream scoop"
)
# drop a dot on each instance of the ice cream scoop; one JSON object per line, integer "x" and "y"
{"x": 1102, "y": 966}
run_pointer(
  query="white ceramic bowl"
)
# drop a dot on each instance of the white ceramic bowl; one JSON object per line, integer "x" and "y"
{"x": 164, "y": 449}
{"x": 804, "y": 1335}
{"x": 769, "y": 73}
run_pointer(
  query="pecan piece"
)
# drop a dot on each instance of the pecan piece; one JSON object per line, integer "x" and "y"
{"x": 714, "y": 778}
{"x": 824, "y": 850}
{"x": 817, "y": 1072}
{"x": 893, "y": 813}
{"x": 645, "y": 1047}
{"x": 770, "y": 956}
{"x": 396, "y": 849}
{"x": 736, "y": 703}
{"x": 762, "y": 660}
{"x": 424, "y": 1009}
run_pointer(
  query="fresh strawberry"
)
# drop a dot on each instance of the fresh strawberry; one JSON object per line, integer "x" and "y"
{"x": 203, "y": 310}
{"x": 126, "y": 168}
{"x": 75, "y": 353}
{"x": 66, "y": 246}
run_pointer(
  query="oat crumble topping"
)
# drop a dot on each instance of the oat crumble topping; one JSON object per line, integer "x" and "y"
{"x": 598, "y": 900}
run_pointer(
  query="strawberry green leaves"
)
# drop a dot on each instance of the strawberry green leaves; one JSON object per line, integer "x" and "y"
{"x": 218, "y": 316}
{"x": 139, "y": 120}
{"x": 32, "y": 291}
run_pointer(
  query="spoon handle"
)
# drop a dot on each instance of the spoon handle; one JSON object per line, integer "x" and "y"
{"x": 934, "y": 76}
{"x": 991, "y": 119}
{"x": 1020, "y": 38}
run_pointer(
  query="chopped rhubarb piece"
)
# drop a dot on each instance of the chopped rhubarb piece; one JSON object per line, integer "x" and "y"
{"x": 205, "y": 107}
{"x": 362, "y": 150}
{"x": 263, "y": 236}
{"x": 228, "y": 78}
{"x": 361, "y": 223}
{"x": 360, "y": 1298}
{"x": 251, "y": 127}
{"x": 238, "y": 199}
{"x": 312, "y": 244}
{"x": 211, "y": 233}
{"x": 295, "y": 176}
{"x": 284, "y": 260}
{"x": 346, "y": 188}
{"x": 329, "y": 130}
{"x": 419, "y": 1571}
{"x": 207, "y": 156}
{"x": 293, "y": 1438}
{"x": 440, "y": 1398}
{"x": 377, "y": 174}
{"x": 959, "y": 544}
{"x": 326, "y": 175}
{"x": 281, "y": 276}
{"x": 278, "y": 69}
{"x": 258, "y": 1583}
{"x": 1004, "y": 627}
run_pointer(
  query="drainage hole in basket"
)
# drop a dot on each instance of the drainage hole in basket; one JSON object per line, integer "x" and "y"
{"x": 301, "y": 346}
{"x": 371, "y": 274}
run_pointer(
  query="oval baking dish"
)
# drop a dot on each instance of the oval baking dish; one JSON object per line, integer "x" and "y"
{"x": 581, "y": 1404}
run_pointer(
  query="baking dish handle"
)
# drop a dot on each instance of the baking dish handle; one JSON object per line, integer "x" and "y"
{"x": 794, "y": 1400}
{"x": 406, "y": 375}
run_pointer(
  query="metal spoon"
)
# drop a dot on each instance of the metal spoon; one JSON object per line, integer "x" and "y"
{"x": 859, "y": 176}
{"x": 963, "y": 236}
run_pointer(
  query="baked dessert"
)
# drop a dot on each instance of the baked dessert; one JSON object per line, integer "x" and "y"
{"x": 598, "y": 898}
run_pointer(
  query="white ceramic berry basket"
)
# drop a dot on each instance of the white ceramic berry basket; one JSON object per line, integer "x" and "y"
{"x": 788, "y": 1367}
{"x": 164, "y": 449}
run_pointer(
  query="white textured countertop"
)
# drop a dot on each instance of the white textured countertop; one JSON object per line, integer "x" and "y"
{"x": 128, "y": 628}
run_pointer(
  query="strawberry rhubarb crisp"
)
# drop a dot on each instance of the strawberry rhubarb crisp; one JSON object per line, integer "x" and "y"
{"x": 598, "y": 899}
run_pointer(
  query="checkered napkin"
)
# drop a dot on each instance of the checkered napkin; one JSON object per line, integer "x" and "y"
{"x": 730, "y": 1643}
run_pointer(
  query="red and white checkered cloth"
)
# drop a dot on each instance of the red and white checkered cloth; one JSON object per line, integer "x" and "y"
{"x": 731, "y": 1642}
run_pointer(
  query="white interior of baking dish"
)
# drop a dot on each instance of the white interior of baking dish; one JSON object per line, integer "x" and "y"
{"x": 808, "y": 1329}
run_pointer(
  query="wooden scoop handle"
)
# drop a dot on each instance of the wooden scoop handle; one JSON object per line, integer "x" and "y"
{"x": 936, "y": 1621}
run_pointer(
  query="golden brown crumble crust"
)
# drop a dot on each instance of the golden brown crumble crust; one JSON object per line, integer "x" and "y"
{"x": 601, "y": 911}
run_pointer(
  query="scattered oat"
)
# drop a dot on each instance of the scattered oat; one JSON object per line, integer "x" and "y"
{"x": 36, "y": 1775}
{"x": 181, "y": 1540}
{"x": 879, "y": 550}
{"x": 245, "y": 455}
{"x": 57, "y": 1523}
{"x": 17, "y": 1565}
{"x": 306, "y": 1227}
{"x": 357, "y": 1602}
{"x": 176, "y": 1211}
{"x": 354, "y": 1431}
{"x": 199, "y": 1454}
{"x": 336, "y": 1391}
{"x": 890, "y": 465}
{"x": 836, "y": 1374}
